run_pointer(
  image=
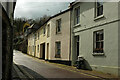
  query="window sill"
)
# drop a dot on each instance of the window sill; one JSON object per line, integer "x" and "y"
{"x": 77, "y": 25}
{"x": 43, "y": 34}
{"x": 98, "y": 54}
{"x": 58, "y": 33}
{"x": 99, "y": 17}
{"x": 57, "y": 56}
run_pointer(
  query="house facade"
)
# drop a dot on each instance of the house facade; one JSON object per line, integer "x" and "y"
{"x": 60, "y": 37}
{"x": 52, "y": 40}
{"x": 31, "y": 45}
{"x": 89, "y": 30}
{"x": 95, "y": 35}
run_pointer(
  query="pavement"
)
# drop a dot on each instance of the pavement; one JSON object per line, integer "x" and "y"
{"x": 26, "y": 67}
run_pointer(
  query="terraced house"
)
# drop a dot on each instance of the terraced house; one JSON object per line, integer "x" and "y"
{"x": 52, "y": 40}
{"x": 96, "y": 35}
{"x": 89, "y": 30}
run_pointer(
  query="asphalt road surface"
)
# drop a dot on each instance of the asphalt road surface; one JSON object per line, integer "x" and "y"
{"x": 39, "y": 69}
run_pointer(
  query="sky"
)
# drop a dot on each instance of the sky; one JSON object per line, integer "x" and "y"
{"x": 34, "y": 9}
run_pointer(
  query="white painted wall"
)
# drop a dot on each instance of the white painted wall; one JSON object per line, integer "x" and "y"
{"x": 64, "y": 36}
{"x": 109, "y": 62}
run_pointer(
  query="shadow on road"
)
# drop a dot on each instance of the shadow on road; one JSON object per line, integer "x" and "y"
{"x": 30, "y": 74}
{"x": 36, "y": 76}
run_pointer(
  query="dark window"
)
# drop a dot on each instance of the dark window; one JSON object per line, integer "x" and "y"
{"x": 98, "y": 41}
{"x": 58, "y": 49}
{"x": 58, "y": 24}
{"x": 44, "y": 30}
{"x": 38, "y": 48}
{"x": 48, "y": 30}
{"x": 99, "y": 8}
{"x": 77, "y": 45}
{"x": 77, "y": 15}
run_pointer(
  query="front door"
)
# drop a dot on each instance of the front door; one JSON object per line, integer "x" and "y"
{"x": 47, "y": 50}
{"x": 43, "y": 56}
{"x": 77, "y": 46}
{"x": 42, "y": 51}
{"x": 35, "y": 51}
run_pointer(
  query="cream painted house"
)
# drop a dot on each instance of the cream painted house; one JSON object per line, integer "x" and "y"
{"x": 95, "y": 35}
{"x": 31, "y": 45}
{"x": 52, "y": 40}
{"x": 88, "y": 29}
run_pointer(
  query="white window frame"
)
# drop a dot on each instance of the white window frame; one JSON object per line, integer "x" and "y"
{"x": 77, "y": 15}
{"x": 101, "y": 41}
{"x": 56, "y": 49}
{"x": 96, "y": 9}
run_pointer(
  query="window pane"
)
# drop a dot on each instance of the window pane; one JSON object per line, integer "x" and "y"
{"x": 58, "y": 52}
{"x": 99, "y": 11}
{"x": 77, "y": 15}
{"x": 58, "y": 28}
{"x": 59, "y": 25}
{"x": 101, "y": 36}
{"x": 101, "y": 44}
{"x": 97, "y": 36}
{"x": 78, "y": 19}
{"x": 97, "y": 44}
{"x": 58, "y": 46}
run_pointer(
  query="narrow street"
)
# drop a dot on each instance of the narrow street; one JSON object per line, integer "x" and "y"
{"x": 39, "y": 69}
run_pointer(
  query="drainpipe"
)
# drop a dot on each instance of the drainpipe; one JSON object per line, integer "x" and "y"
{"x": 70, "y": 36}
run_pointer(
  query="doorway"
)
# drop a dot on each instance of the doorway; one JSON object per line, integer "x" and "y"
{"x": 77, "y": 46}
{"x": 35, "y": 52}
{"x": 42, "y": 50}
{"x": 47, "y": 51}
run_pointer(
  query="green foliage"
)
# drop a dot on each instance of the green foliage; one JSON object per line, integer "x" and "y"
{"x": 21, "y": 44}
{"x": 18, "y": 26}
{"x": 19, "y": 22}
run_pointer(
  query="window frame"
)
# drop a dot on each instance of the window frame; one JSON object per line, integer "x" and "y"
{"x": 77, "y": 15}
{"x": 44, "y": 30}
{"x": 58, "y": 25}
{"x": 48, "y": 30}
{"x": 38, "y": 48}
{"x": 56, "y": 49}
{"x": 96, "y": 9}
{"x": 101, "y": 41}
